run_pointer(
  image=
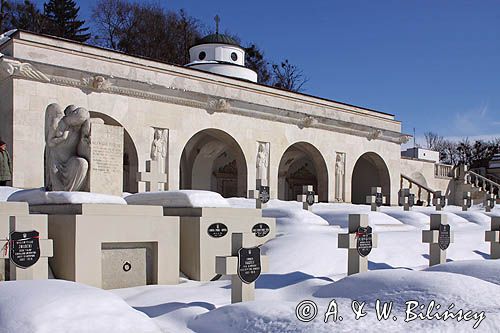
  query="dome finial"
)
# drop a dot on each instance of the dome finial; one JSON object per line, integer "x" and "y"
{"x": 217, "y": 20}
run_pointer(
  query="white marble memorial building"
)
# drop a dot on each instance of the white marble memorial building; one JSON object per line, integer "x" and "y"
{"x": 206, "y": 125}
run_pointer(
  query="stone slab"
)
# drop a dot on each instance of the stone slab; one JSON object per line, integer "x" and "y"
{"x": 124, "y": 267}
{"x": 213, "y": 212}
{"x": 97, "y": 209}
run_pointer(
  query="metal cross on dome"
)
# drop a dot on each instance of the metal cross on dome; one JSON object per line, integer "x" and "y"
{"x": 217, "y": 20}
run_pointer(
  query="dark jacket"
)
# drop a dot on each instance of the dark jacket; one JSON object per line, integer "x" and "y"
{"x": 5, "y": 166}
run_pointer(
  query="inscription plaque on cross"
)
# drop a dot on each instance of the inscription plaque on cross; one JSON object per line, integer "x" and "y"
{"x": 493, "y": 236}
{"x": 261, "y": 194}
{"x": 489, "y": 202}
{"x": 376, "y": 199}
{"x": 439, "y": 238}
{"x": 439, "y": 200}
{"x": 244, "y": 265}
{"x": 359, "y": 242}
{"x": 155, "y": 179}
{"x": 406, "y": 199}
{"x": 308, "y": 197}
{"x": 466, "y": 201}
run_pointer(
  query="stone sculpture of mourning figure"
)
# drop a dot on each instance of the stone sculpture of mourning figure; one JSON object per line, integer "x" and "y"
{"x": 67, "y": 148}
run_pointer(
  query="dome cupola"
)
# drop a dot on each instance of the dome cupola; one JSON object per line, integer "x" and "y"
{"x": 220, "y": 54}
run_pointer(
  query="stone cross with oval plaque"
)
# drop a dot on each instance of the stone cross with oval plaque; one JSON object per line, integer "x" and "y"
{"x": 308, "y": 197}
{"x": 244, "y": 265}
{"x": 376, "y": 199}
{"x": 439, "y": 238}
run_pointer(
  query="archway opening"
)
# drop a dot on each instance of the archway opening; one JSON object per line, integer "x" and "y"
{"x": 302, "y": 164}
{"x": 369, "y": 171}
{"x": 130, "y": 158}
{"x": 212, "y": 160}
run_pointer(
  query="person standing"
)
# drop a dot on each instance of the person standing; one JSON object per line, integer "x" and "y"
{"x": 5, "y": 164}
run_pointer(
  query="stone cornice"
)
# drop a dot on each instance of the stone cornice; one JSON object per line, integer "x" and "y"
{"x": 97, "y": 83}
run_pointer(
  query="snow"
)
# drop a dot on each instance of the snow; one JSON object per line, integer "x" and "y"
{"x": 6, "y": 36}
{"x": 61, "y": 306}
{"x": 41, "y": 197}
{"x": 179, "y": 198}
{"x": 306, "y": 264}
{"x": 6, "y": 191}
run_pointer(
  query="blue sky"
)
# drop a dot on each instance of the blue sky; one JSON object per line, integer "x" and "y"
{"x": 434, "y": 64}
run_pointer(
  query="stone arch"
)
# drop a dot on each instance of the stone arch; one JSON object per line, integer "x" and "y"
{"x": 419, "y": 177}
{"x": 213, "y": 160}
{"x": 302, "y": 164}
{"x": 369, "y": 171}
{"x": 130, "y": 156}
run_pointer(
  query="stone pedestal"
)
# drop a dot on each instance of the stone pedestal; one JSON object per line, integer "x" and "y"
{"x": 14, "y": 216}
{"x": 113, "y": 246}
{"x": 105, "y": 173}
{"x": 206, "y": 234}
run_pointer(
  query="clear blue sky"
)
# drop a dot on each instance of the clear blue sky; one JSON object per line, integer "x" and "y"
{"x": 434, "y": 64}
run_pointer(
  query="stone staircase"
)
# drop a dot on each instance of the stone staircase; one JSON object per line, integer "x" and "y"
{"x": 423, "y": 193}
{"x": 479, "y": 185}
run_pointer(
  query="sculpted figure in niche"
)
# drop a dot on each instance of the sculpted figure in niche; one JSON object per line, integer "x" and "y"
{"x": 67, "y": 147}
{"x": 262, "y": 162}
{"x": 159, "y": 147}
{"x": 339, "y": 178}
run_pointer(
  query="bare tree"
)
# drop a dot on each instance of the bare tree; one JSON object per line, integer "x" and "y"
{"x": 111, "y": 19}
{"x": 433, "y": 141}
{"x": 288, "y": 76}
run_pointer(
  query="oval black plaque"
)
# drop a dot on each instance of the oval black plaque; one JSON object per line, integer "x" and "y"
{"x": 217, "y": 230}
{"x": 261, "y": 230}
{"x": 127, "y": 266}
{"x": 24, "y": 248}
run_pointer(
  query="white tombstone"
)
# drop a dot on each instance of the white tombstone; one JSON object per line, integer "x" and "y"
{"x": 493, "y": 236}
{"x": 24, "y": 237}
{"x": 154, "y": 178}
{"x": 308, "y": 197}
{"x": 439, "y": 200}
{"x": 466, "y": 201}
{"x": 376, "y": 199}
{"x": 358, "y": 241}
{"x": 244, "y": 269}
{"x": 439, "y": 238}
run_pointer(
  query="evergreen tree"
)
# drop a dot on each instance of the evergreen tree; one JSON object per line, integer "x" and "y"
{"x": 62, "y": 20}
{"x": 26, "y": 16}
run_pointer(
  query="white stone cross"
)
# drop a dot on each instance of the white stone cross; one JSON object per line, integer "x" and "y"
{"x": 439, "y": 200}
{"x": 241, "y": 291}
{"x": 22, "y": 224}
{"x": 308, "y": 198}
{"x": 376, "y": 199}
{"x": 153, "y": 177}
{"x": 493, "y": 236}
{"x": 261, "y": 194}
{"x": 439, "y": 238}
{"x": 489, "y": 202}
{"x": 467, "y": 201}
{"x": 406, "y": 199}
{"x": 358, "y": 242}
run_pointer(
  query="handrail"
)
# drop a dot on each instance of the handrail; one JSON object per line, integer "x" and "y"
{"x": 485, "y": 180}
{"x": 418, "y": 184}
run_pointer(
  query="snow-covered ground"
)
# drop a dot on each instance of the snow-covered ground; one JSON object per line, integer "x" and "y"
{"x": 305, "y": 265}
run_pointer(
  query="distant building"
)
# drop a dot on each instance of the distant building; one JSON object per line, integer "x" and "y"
{"x": 422, "y": 154}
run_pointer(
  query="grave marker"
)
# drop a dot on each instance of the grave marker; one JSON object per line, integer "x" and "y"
{"x": 493, "y": 236}
{"x": 261, "y": 194}
{"x": 489, "y": 202}
{"x": 406, "y": 199}
{"x": 439, "y": 200}
{"x": 153, "y": 177}
{"x": 308, "y": 197}
{"x": 244, "y": 265}
{"x": 466, "y": 202}
{"x": 359, "y": 242}
{"x": 376, "y": 199}
{"x": 439, "y": 238}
